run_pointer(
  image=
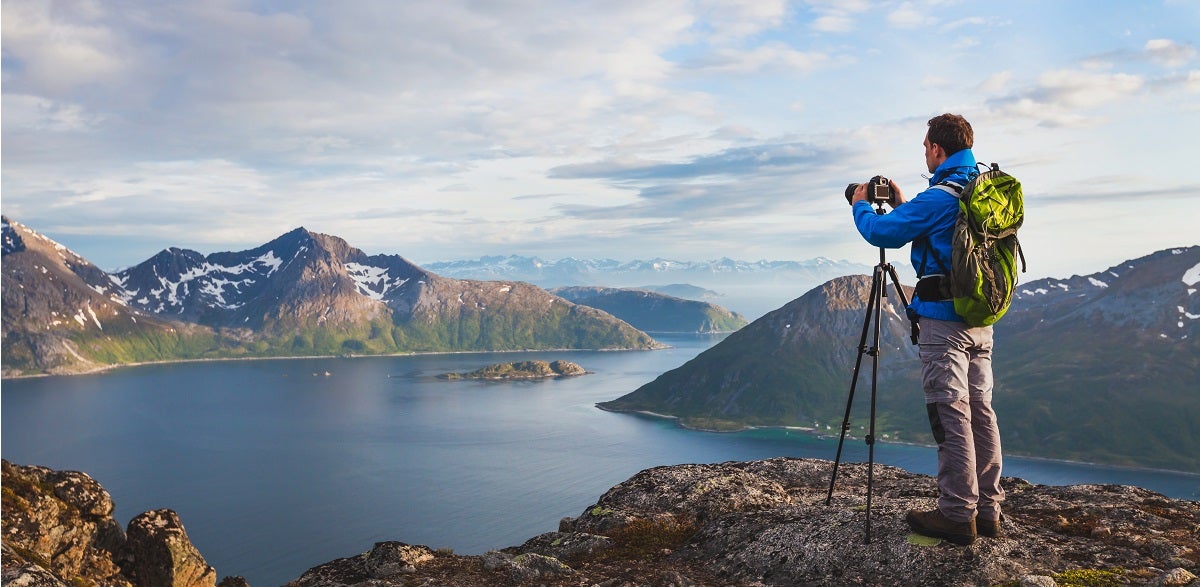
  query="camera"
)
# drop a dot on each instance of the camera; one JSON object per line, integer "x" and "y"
{"x": 879, "y": 190}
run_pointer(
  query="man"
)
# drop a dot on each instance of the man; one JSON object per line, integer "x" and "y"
{"x": 956, "y": 359}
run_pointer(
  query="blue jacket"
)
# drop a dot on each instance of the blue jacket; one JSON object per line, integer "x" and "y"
{"x": 927, "y": 221}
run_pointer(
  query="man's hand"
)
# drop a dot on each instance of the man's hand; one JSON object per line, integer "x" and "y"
{"x": 897, "y": 195}
{"x": 860, "y": 194}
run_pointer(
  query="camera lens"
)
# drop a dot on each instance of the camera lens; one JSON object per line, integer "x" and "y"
{"x": 850, "y": 192}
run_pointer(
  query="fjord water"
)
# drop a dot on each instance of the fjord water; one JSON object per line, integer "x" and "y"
{"x": 276, "y": 466}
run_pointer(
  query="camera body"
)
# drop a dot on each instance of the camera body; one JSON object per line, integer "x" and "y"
{"x": 879, "y": 191}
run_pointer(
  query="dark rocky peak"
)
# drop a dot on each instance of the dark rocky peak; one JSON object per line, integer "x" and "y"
{"x": 1166, "y": 267}
{"x": 836, "y": 308}
{"x": 187, "y": 283}
{"x": 1153, "y": 295}
{"x": 12, "y": 241}
{"x": 35, "y": 251}
{"x": 171, "y": 261}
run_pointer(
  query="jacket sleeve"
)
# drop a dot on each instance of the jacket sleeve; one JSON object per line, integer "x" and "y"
{"x": 916, "y": 218}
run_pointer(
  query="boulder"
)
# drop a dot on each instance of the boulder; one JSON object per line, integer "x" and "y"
{"x": 158, "y": 553}
{"x": 58, "y": 529}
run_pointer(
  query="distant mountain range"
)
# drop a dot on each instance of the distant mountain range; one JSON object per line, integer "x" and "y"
{"x": 301, "y": 294}
{"x": 750, "y": 288}
{"x": 658, "y": 271}
{"x": 1101, "y": 368}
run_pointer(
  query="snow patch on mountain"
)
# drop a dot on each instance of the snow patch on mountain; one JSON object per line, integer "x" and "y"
{"x": 1192, "y": 276}
{"x": 373, "y": 282}
{"x": 222, "y": 285}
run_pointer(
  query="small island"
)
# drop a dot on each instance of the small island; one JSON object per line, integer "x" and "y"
{"x": 521, "y": 370}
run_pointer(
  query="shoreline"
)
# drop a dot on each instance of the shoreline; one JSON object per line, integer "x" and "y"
{"x": 105, "y": 368}
{"x": 676, "y": 419}
{"x": 813, "y": 433}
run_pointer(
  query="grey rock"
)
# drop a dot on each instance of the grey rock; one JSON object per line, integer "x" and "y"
{"x": 385, "y": 559}
{"x": 59, "y": 524}
{"x": 565, "y": 545}
{"x": 1174, "y": 578}
{"x": 389, "y": 558}
{"x": 158, "y": 553}
{"x": 1038, "y": 581}
{"x": 62, "y": 521}
{"x": 532, "y": 566}
{"x": 525, "y": 567}
{"x": 768, "y": 521}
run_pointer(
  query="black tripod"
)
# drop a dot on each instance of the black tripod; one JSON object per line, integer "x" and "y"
{"x": 874, "y": 308}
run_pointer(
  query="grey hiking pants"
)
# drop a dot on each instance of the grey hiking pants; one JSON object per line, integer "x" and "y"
{"x": 956, "y": 374}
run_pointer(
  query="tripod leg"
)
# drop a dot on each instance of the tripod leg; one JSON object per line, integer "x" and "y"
{"x": 916, "y": 328}
{"x": 879, "y": 294}
{"x": 872, "y": 310}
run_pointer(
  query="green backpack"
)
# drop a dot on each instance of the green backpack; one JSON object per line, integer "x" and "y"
{"x": 983, "y": 271}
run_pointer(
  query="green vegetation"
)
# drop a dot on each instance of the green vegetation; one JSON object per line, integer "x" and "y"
{"x": 656, "y": 312}
{"x": 560, "y": 327}
{"x": 1120, "y": 399}
{"x": 643, "y": 538}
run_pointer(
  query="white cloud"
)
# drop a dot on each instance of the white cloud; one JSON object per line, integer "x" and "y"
{"x": 996, "y": 82}
{"x": 907, "y": 16}
{"x": 736, "y": 19}
{"x": 773, "y": 57}
{"x": 418, "y": 122}
{"x": 1068, "y": 97}
{"x": 35, "y": 113}
{"x": 1080, "y": 89}
{"x": 834, "y": 16}
{"x": 1171, "y": 53}
{"x": 61, "y": 46}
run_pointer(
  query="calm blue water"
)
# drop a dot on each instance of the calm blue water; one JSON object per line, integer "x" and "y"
{"x": 275, "y": 467}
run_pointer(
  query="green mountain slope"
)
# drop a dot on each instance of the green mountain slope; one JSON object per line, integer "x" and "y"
{"x": 655, "y": 312}
{"x": 1103, "y": 368}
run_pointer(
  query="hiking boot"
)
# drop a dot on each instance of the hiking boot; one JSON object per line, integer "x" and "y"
{"x": 990, "y": 528}
{"x": 934, "y": 524}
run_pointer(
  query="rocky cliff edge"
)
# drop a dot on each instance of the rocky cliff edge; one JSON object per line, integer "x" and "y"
{"x": 753, "y": 524}
{"x": 58, "y": 530}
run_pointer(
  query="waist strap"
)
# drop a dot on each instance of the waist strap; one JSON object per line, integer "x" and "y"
{"x": 933, "y": 288}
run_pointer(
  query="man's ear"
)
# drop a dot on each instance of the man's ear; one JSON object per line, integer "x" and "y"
{"x": 939, "y": 153}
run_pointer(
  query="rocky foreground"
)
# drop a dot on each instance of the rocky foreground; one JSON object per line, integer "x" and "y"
{"x": 761, "y": 523}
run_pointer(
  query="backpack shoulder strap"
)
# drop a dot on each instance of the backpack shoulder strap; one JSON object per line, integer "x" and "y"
{"x": 950, "y": 187}
{"x": 955, "y": 189}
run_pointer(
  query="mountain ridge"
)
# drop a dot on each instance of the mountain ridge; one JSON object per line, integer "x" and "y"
{"x": 1109, "y": 355}
{"x": 301, "y": 294}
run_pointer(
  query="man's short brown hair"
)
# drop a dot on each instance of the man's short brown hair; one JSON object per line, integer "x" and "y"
{"x": 952, "y": 132}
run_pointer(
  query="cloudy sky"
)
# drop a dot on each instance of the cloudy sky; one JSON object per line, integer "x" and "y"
{"x": 623, "y": 129}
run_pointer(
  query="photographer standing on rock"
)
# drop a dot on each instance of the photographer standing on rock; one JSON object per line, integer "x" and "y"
{"x": 956, "y": 359}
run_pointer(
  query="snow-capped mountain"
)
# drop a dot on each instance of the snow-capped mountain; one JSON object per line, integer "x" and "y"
{"x": 290, "y": 276}
{"x": 1153, "y": 296}
{"x": 56, "y": 305}
{"x": 301, "y": 294}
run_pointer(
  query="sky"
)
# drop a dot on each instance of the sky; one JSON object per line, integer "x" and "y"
{"x": 620, "y": 129}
